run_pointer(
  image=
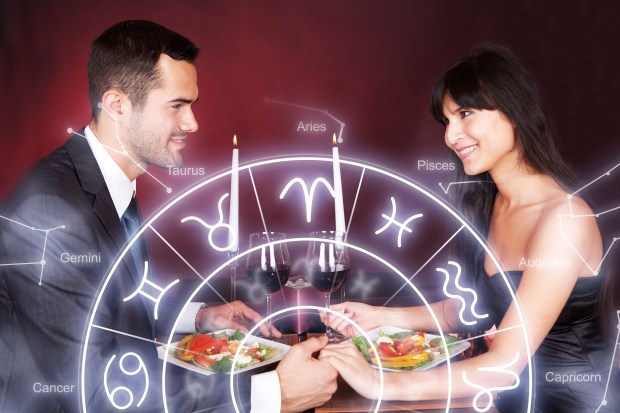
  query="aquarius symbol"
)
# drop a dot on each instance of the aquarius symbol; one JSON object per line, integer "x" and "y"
{"x": 403, "y": 226}
{"x": 139, "y": 290}
{"x": 458, "y": 297}
{"x": 308, "y": 195}
{"x": 219, "y": 224}
{"x": 488, "y": 392}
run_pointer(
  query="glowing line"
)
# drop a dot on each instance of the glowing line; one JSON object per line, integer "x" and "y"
{"x": 608, "y": 173}
{"x": 307, "y": 307}
{"x": 465, "y": 289}
{"x": 123, "y": 150}
{"x": 424, "y": 265}
{"x": 611, "y": 366}
{"x": 323, "y": 111}
{"x": 308, "y": 195}
{"x": 402, "y": 226}
{"x": 31, "y": 227}
{"x": 219, "y": 224}
{"x": 485, "y": 334}
{"x": 260, "y": 209}
{"x": 359, "y": 187}
{"x": 21, "y": 263}
{"x": 445, "y": 190}
{"x": 595, "y": 272}
{"x": 297, "y": 159}
{"x": 162, "y": 291}
{"x": 458, "y": 297}
{"x": 43, "y": 257}
{"x": 305, "y": 240}
{"x": 488, "y": 391}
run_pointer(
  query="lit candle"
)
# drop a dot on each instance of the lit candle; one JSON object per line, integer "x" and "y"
{"x": 322, "y": 257}
{"x": 340, "y": 225}
{"x": 233, "y": 220}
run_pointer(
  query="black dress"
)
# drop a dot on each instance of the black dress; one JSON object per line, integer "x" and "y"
{"x": 571, "y": 366}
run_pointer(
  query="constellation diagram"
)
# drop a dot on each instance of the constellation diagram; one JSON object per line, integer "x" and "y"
{"x": 460, "y": 298}
{"x": 595, "y": 271}
{"x": 488, "y": 392}
{"x": 123, "y": 151}
{"x": 219, "y": 224}
{"x": 308, "y": 194}
{"x": 447, "y": 188}
{"x": 154, "y": 286}
{"x": 41, "y": 262}
{"x": 403, "y": 226}
{"x": 616, "y": 348}
{"x": 323, "y": 111}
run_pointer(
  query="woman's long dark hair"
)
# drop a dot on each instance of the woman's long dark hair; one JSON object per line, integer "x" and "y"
{"x": 492, "y": 78}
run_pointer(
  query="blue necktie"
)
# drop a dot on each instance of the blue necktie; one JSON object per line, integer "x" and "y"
{"x": 131, "y": 221}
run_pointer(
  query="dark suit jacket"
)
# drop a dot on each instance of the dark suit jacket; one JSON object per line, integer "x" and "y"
{"x": 42, "y": 324}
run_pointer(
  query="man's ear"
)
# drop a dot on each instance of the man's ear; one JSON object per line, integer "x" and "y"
{"x": 115, "y": 105}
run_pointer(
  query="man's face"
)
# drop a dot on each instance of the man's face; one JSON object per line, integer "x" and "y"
{"x": 156, "y": 132}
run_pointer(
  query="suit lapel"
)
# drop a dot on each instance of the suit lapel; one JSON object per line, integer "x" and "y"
{"x": 91, "y": 179}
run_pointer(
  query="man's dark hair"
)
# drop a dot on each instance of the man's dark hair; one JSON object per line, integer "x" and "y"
{"x": 125, "y": 57}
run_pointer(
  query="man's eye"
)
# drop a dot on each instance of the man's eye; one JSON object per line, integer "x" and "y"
{"x": 177, "y": 106}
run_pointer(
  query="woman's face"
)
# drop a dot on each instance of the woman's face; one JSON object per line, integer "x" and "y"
{"x": 483, "y": 139}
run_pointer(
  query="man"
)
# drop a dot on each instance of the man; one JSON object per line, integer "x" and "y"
{"x": 80, "y": 200}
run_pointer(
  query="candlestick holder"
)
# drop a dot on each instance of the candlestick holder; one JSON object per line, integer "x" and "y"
{"x": 233, "y": 274}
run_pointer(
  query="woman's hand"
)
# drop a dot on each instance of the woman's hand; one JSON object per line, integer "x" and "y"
{"x": 366, "y": 316}
{"x": 353, "y": 368}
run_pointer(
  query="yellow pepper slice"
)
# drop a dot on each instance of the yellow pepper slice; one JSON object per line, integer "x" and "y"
{"x": 409, "y": 360}
{"x": 181, "y": 351}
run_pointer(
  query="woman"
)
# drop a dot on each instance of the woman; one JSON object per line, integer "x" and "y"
{"x": 495, "y": 125}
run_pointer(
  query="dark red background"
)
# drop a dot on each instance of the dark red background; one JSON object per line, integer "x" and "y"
{"x": 370, "y": 63}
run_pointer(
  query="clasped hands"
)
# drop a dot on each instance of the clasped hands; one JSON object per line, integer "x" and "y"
{"x": 307, "y": 381}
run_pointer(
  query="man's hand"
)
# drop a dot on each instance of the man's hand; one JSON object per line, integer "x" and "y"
{"x": 305, "y": 382}
{"x": 234, "y": 315}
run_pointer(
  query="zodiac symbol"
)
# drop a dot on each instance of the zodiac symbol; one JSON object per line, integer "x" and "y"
{"x": 162, "y": 291}
{"x": 488, "y": 392}
{"x": 125, "y": 389}
{"x": 219, "y": 224}
{"x": 362, "y": 285}
{"x": 308, "y": 195}
{"x": 458, "y": 297}
{"x": 402, "y": 226}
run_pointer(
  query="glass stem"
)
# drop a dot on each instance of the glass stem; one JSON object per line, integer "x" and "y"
{"x": 327, "y": 305}
{"x": 268, "y": 297}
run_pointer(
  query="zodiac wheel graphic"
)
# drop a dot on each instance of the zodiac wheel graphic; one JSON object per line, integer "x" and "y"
{"x": 394, "y": 234}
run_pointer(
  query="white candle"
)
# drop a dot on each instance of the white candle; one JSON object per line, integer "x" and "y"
{"x": 332, "y": 258}
{"x": 340, "y": 225}
{"x": 233, "y": 234}
{"x": 272, "y": 257}
{"x": 322, "y": 257}
{"x": 263, "y": 259}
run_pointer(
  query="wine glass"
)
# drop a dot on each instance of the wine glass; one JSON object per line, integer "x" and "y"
{"x": 327, "y": 266}
{"x": 268, "y": 266}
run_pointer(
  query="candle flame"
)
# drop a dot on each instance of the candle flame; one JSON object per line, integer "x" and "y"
{"x": 334, "y": 139}
{"x": 235, "y": 141}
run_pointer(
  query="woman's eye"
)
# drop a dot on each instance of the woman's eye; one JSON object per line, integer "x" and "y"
{"x": 464, "y": 113}
{"x": 445, "y": 121}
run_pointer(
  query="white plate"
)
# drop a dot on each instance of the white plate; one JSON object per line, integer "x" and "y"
{"x": 454, "y": 350}
{"x": 282, "y": 350}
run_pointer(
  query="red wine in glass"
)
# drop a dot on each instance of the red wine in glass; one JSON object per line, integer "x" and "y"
{"x": 269, "y": 279}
